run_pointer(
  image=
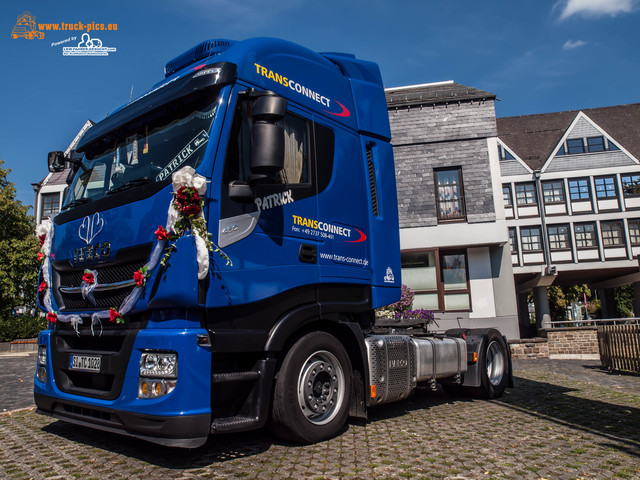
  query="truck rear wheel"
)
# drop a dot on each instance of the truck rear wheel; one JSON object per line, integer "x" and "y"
{"x": 493, "y": 361}
{"x": 312, "y": 390}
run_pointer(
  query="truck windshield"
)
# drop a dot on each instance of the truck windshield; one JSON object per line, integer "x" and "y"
{"x": 146, "y": 150}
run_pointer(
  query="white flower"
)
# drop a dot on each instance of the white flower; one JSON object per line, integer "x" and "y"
{"x": 200, "y": 184}
{"x": 183, "y": 178}
{"x": 43, "y": 228}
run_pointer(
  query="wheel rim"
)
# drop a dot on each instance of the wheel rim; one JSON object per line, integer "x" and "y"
{"x": 495, "y": 363}
{"x": 321, "y": 386}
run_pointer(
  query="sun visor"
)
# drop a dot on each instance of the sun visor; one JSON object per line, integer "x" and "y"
{"x": 198, "y": 78}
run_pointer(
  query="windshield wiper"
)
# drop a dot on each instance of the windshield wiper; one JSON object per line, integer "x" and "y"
{"x": 75, "y": 203}
{"x": 130, "y": 184}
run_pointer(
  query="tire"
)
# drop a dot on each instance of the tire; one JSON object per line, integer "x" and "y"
{"x": 312, "y": 390}
{"x": 493, "y": 362}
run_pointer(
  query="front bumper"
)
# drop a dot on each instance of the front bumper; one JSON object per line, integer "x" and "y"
{"x": 187, "y": 431}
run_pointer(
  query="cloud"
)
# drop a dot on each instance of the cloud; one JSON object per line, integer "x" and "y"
{"x": 595, "y": 8}
{"x": 571, "y": 44}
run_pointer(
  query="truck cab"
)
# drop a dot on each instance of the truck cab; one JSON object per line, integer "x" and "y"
{"x": 296, "y": 194}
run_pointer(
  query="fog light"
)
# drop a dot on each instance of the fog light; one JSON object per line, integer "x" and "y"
{"x": 41, "y": 374}
{"x": 156, "y": 388}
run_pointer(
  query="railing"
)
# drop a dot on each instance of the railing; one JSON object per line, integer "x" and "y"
{"x": 619, "y": 346}
{"x": 593, "y": 322}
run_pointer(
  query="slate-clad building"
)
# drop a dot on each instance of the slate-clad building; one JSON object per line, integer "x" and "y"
{"x": 571, "y": 191}
{"x": 453, "y": 233}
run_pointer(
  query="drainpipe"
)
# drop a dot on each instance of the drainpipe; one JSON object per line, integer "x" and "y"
{"x": 545, "y": 239}
{"x": 540, "y": 293}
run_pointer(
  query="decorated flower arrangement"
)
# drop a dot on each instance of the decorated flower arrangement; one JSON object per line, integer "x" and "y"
{"x": 185, "y": 216}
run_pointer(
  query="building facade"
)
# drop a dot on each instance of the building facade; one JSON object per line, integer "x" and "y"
{"x": 571, "y": 193}
{"x": 49, "y": 192}
{"x": 453, "y": 232}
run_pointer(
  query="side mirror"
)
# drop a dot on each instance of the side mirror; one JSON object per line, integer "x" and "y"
{"x": 267, "y": 138}
{"x": 56, "y": 161}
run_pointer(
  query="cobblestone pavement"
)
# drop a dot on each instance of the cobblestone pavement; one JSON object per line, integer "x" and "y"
{"x": 16, "y": 380}
{"x": 563, "y": 420}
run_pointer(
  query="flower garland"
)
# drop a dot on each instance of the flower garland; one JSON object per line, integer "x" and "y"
{"x": 185, "y": 215}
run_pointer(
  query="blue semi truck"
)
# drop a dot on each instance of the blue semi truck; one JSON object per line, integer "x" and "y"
{"x": 223, "y": 244}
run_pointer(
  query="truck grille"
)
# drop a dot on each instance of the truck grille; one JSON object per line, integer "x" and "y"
{"x": 116, "y": 273}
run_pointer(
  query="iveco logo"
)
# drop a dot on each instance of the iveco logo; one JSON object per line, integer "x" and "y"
{"x": 90, "y": 228}
{"x": 229, "y": 229}
{"x": 399, "y": 363}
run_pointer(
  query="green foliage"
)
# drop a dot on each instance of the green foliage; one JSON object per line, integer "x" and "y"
{"x": 557, "y": 303}
{"x": 18, "y": 249}
{"x": 623, "y": 297}
{"x": 562, "y": 298}
{"x": 23, "y": 326}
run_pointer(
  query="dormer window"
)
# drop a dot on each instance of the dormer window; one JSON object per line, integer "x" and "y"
{"x": 576, "y": 146}
{"x": 504, "y": 154}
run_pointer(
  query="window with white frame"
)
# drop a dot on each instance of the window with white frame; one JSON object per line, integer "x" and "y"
{"x": 553, "y": 191}
{"x": 585, "y": 235}
{"x": 50, "y": 205}
{"x": 605, "y": 187}
{"x": 559, "y": 237}
{"x": 531, "y": 239}
{"x": 612, "y": 234}
{"x": 579, "y": 189}
{"x": 526, "y": 194}
{"x": 634, "y": 232}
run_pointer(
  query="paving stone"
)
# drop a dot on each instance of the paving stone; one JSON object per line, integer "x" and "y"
{"x": 564, "y": 420}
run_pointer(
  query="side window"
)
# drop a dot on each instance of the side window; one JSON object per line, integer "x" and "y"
{"x": 305, "y": 144}
{"x": 296, "y": 151}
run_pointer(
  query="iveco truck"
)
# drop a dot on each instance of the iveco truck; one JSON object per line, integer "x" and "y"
{"x": 223, "y": 244}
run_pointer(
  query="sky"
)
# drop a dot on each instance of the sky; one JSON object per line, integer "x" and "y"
{"x": 537, "y": 56}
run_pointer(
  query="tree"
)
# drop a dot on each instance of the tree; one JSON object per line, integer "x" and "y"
{"x": 18, "y": 249}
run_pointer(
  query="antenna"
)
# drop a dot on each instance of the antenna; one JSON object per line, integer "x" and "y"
{"x": 131, "y": 94}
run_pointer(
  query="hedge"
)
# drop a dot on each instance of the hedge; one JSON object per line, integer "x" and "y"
{"x": 22, "y": 326}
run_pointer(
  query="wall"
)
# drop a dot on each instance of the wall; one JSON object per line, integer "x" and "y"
{"x": 573, "y": 342}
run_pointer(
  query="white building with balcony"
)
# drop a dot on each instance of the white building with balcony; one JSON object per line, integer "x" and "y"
{"x": 571, "y": 191}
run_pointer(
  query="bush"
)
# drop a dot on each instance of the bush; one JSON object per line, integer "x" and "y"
{"x": 23, "y": 326}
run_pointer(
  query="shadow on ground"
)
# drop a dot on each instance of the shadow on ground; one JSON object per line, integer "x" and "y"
{"x": 617, "y": 425}
{"x": 222, "y": 448}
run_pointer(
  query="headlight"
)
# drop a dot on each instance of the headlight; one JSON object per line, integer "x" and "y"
{"x": 159, "y": 365}
{"x": 41, "y": 371}
{"x": 42, "y": 355}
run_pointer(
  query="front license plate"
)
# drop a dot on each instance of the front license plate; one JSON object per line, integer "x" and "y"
{"x": 87, "y": 363}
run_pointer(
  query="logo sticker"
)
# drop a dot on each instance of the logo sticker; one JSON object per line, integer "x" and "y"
{"x": 89, "y": 47}
{"x": 196, "y": 142}
{"x": 389, "y": 278}
{"x": 90, "y": 228}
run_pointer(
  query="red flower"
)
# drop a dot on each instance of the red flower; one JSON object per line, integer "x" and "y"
{"x": 42, "y": 239}
{"x": 139, "y": 278}
{"x": 41, "y": 256}
{"x": 88, "y": 278}
{"x": 42, "y": 287}
{"x": 190, "y": 210}
{"x": 115, "y": 316}
{"x": 161, "y": 233}
{"x": 52, "y": 317}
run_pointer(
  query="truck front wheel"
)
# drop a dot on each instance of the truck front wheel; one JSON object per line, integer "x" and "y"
{"x": 312, "y": 390}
